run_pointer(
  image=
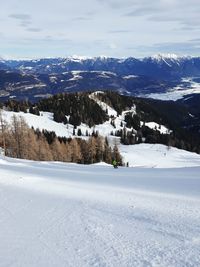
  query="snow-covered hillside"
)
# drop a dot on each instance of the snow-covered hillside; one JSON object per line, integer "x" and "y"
{"x": 45, "y": 122}
{"x": 115, "y": 122}
{"x": 158, "y": 156}
{"x": 151, "y": 155}
{"x": 54, "y": 214}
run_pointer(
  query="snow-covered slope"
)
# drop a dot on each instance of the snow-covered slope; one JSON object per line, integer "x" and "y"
{"x": 115, "y": 122}
{"x": 155, "y": 126}
{"x": 43, "y": 122}
{"x": 158, "y": 156}
{"x": 151, "y": 155}
{"x": 54, "y": 214}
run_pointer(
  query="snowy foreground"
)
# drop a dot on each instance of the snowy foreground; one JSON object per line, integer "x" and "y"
{"x": 54, "y": 214}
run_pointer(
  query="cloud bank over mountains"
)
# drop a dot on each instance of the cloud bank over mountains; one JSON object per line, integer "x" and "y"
{"x": 99, "y": 27}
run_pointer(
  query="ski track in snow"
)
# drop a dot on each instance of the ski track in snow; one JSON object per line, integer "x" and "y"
{"x": 54, "y": 214}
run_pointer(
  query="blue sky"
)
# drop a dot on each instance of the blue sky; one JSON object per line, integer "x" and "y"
{"x": 117, "y": 28}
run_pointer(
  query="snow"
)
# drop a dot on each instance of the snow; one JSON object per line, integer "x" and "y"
{"x": 149, "y": 155}
{"x": 105, "y": 74}
{"x": 165, "y": 56}
{"x": 110, "y": 111}
{"x": 54, "y": 214}
{"x": 105, "y": 128}
{"x": 153, "y": 125}
{"x": 43, "y": 122}
{"x": 76, "y": 75}
{"x": 177, "y": 92}
{"x": 28, "y": 68}
{"x": 169, "y": 58}
{"x": 77, "y": 58}
{"x": 158, "y": 156}
{"x": 130, "y": 77}
{"x": 53, "y": 79}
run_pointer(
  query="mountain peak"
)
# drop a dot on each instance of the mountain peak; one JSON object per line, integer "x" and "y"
{"x": 165, "y": 56}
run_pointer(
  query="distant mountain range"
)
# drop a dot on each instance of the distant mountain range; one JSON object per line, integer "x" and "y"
{"x": 148, "y": 77}
{"x": 164, "y": 77}
{"x": 161, "y": 67}
{"x": 21, "y": 85}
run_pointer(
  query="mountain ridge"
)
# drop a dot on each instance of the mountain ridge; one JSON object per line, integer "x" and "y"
{"x": 123, "y": 66}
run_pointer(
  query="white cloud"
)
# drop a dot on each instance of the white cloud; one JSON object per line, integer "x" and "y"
{"x": 138, "y": 24}
{"x": 112, "y": 46}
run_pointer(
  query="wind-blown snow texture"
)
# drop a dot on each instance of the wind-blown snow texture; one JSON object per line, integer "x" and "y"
{"x": 54, "y": 214}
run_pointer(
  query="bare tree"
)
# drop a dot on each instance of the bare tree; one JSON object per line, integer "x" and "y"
{"x": 3, "y": 131}
{"x": 43, "y": 149}
{"x": 92, "y": 149}
{"x": 19, "y": 134}
{"x": 57, "y": 150}
{"x": 76, "y": 151}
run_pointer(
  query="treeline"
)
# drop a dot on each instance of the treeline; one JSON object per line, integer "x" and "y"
{"x": 78, "y": 106}
{"x": 74, "y": 108}
{"x": 19, "y": 141}
{"x": 180, "y": 138}
{"x": 169, "y": 113}
{"x": 71, "y": 108}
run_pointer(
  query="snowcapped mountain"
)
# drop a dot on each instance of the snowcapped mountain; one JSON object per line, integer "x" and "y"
{"x": 148, "y": 77}
{"x": 170, "y": 66}
{"x": 169, "y": 58}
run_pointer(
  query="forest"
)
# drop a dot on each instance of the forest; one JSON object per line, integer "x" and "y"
{"x": 20, "y": 141}
{"x": 77, "y": 108}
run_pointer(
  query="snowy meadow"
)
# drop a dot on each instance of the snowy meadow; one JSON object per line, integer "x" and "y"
{"x": 56, "y": 214}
